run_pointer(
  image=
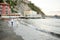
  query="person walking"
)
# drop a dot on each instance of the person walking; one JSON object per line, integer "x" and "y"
{"x": 12, "y": 22}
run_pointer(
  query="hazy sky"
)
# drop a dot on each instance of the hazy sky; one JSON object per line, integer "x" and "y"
{"x": 47, "y": 5}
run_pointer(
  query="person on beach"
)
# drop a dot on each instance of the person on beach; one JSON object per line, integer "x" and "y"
{"x": 12, "y": 22}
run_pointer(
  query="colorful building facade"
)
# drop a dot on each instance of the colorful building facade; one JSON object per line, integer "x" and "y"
{"x": 4, "y": 8}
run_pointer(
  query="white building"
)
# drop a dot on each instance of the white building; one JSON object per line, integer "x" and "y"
{"x": 31, "y": 13}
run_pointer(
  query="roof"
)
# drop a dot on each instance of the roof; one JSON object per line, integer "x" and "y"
{"x": 4, "y": 4}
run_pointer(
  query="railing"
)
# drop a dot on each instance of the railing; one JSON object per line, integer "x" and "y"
{"x": 21, "y": 17}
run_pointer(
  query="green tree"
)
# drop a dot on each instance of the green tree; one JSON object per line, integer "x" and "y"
{"x": 35, "y": 8}
{"x": 11, "y": 3}
{"x": 1, "y": 1}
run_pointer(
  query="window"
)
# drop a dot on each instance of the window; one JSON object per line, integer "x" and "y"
{"x": 0, "y": 7}
{"x": 0, "y": 11}
{"x": 6, "y": 7}
{"x": 0, "y": 14}
{"x": 6, "y": 12}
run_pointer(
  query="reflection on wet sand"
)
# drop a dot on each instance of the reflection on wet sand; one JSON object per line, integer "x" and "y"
{"x": 37, "y": 29}
{"x": 6, "y": 32}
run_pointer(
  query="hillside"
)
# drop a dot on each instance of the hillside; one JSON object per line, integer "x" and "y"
{"x": 23, "y": 5}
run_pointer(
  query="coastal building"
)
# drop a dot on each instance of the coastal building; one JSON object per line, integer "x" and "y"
{"x": 31, "y": 13}
{"x": 4, "y": 8}
{"x": 5, "y": 12}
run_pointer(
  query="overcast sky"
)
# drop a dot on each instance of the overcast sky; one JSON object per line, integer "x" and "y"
{"x": 47, "y": 5}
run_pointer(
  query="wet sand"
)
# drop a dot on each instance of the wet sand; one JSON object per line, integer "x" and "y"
{"x": 6, "y": 32}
